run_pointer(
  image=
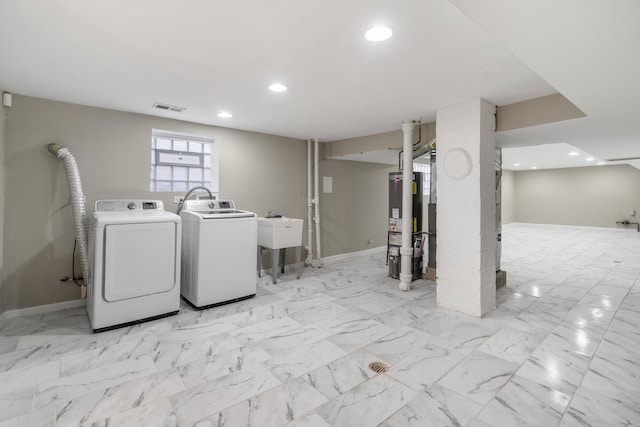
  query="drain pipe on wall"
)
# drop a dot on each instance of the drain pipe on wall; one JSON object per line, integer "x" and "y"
{"x": 309, "y": 259}
{"x": 317, "y": 200}
{"x": 406, "y": 250}
{"x": 78, "y": 208}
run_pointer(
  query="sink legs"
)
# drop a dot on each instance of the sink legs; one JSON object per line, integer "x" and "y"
{"x": 278, "y": 257}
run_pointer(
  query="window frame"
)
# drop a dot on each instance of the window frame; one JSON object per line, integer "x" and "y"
{"x": 209, "y": 173}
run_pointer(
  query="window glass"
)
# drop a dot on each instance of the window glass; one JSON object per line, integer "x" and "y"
{"x": 180, "y": 173}
{"x": 195, "y": 147}
{"x": 180, "y": 186}
{"x": 163, "y": 144}
{"x": 163, "y": 186}
{"x": 163, "y": 173}
{"x": 180, "y": 145}
{"x": 195, "y": 174}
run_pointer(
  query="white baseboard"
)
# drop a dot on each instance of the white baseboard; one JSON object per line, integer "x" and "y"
{"x": 349, "y": 254}
{"x": 40, "y": 309}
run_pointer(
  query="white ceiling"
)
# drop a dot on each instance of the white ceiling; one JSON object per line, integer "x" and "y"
{"x": 587, "y": 50}
{"x": 212, "y": 55}
{"x": 544, "y": 156}
{"x": 548, "y": 156}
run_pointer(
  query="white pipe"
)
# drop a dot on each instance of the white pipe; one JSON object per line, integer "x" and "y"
{"x": 309, "y": 259}
{"x": 317, "y": 199}
{"x": 78, "y": 209}
{"x": 406, "y": 250}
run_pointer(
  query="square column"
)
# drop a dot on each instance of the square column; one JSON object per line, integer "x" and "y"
{"x": 466, "y": 208}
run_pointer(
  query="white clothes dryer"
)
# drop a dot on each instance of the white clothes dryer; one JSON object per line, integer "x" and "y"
{"x": 134, "y": 262}
{"x": 218, "y": 253}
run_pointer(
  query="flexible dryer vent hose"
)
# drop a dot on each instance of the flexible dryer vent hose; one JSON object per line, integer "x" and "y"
{"x": 77, "y": 206}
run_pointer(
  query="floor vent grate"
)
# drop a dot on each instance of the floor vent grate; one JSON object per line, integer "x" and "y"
{"x": 378, "y": 367}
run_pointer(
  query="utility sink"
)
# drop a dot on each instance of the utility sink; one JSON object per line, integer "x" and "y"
{"x": 278, "y": 233}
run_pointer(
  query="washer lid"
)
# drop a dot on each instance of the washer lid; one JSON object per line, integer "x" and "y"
{"x": 226, "y": 213}
{"x": 218, "y": 214}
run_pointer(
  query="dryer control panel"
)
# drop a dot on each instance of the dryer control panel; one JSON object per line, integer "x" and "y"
{"x": 126, "y": 205}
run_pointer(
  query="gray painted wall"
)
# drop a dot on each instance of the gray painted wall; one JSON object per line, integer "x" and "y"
{"x": 260, "y": 172}
{"x": 2, "y": 174}
{"x": 508, "y": 197}
{"x": 591, "y": 196}
{"x": 536, "y": 111}
{"x": 356, "y": 211}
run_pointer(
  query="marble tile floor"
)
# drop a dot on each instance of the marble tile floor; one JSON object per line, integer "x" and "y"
{"x": 562, "y": 348}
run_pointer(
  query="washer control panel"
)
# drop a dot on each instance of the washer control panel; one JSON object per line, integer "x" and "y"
{"x": 208, "y": 205}
{"x": 126, "y": 205}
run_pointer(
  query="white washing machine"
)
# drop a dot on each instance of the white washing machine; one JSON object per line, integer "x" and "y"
{"x": 218, "y": 253}
{"x": 134, "y": 259}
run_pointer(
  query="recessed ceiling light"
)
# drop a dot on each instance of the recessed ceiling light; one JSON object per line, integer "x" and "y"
{"x": 589, "y": 159}
{"x": 601, "y": 163}
{"x": 573, "y": 153}
{"x": 516, "y": 164}
{"x": 225, "y": 115}
{"x": 534, "y": 167}
{"x": 378, "y": 33}
{"x": 277, "y": 87}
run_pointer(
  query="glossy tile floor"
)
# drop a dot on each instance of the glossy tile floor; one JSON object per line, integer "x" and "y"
{"x": 562, "y": 348}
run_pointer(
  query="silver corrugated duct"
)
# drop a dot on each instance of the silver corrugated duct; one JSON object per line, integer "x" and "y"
{"x": 78, "y": 207}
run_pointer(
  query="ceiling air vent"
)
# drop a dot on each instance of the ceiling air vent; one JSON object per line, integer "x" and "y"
{"x": 168, "y": 107}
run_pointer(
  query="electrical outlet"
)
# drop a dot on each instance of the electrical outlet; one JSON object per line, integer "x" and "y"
{"x": 178, "y": 199}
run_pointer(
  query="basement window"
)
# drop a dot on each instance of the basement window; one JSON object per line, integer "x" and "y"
{"x": 180, "y": 162}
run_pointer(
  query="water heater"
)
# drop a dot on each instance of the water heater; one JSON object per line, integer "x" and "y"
{"x": 394, "y": 234}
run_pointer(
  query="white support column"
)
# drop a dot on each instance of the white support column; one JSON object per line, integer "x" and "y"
{"x": 466, "y": 238}
{"x": 406, "y": 250}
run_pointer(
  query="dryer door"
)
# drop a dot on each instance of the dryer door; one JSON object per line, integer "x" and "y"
{"x": 139, "y": 259}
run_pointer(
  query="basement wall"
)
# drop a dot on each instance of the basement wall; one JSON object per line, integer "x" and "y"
{"x": 590, "y": 196}
{"x": 259, "y": 172}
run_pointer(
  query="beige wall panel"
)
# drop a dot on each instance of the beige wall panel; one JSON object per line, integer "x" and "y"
{"x": 508, "y": 197}
{"x": 356, "y": 210}
{"x": 590, "y": 196}
{"x": 536, "y": 111}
